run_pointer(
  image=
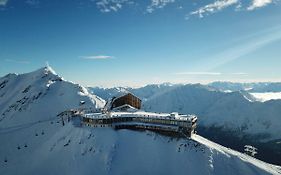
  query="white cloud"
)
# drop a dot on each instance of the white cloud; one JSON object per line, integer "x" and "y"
{"x": 32, "y": 2}
{"x": 115, "y": 5}
{"x": 258, "y": 4}
{"x": 198, "y": 73}
{"x": 3, "y": 2}
{"x": 97, "y": 57}
{"x": 214, "y": 7}
{"x": 17, "y": 61}
{"x": 111, "y": 5}
{"x": 156, "y": 4}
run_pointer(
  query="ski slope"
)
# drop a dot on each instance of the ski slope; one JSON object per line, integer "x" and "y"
{"x": 231, "y": 153}
{"x": 70, "y": 149}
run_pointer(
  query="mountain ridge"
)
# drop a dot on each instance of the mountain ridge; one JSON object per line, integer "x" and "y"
{"x": 232, "y": 119}
{"x": 35, "y": 133}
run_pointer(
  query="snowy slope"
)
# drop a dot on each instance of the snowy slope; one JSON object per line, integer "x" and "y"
{"x": 34, "y": 140}
{"x": 39, "y": 95}
{"x": 238, "y": 111}
{"x": 232, "y": 119}
{"x": 231, "y": 153}
{"x": 215, "y": 108}
{"x": 83, "y": 150}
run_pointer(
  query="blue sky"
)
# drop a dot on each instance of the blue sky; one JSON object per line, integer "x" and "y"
{"x": 133, "y": 43}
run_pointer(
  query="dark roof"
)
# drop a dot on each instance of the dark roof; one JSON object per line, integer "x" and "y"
{"x": 121, "y": 94}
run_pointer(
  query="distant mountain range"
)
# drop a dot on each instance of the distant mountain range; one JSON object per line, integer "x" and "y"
{"x": 34, "y": 140}
{"x": 250, "y": 87}
{"x": 229, "y": 117}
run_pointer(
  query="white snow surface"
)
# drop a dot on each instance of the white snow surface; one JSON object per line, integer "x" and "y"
{"x": 34, "y": 140}
{"x": 83, "y": 150}
{"x": 266, "y": 96}
{"x": 140, "y": 114}
{"x": 231, "y": 111}
{"x": 238, "y": 111}
{"x": 40, "y": 95}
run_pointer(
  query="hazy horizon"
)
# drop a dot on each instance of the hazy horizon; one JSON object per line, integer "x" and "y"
{"x": 152, "y": 83}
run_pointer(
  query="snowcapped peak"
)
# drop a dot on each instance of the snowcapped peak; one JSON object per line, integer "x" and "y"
{"x": 44, "y": 89}
{"x": 46, "y": 70}
{"x": 39, "y": 72}
{"x": 50, "y": 70}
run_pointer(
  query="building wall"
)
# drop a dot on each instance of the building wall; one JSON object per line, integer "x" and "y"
{"x": 127, "y": 99}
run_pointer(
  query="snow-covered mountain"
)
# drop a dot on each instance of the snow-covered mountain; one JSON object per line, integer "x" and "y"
{"x": 34, "y": 140}
{"x": 230, "y": 118}
{"x": 260, "y": 91}
{"x": 83, "y": 150}
{"x": 107, "y": 93}
{"x": 237, "y": 110}
{"x": 144, "y": 93}
{"x": 229, "y": 110}
{"x": 40, "y": 95}
{"x": 251, "y": 87}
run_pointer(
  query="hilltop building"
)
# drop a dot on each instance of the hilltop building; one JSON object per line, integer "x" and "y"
{"x": 124, "y": 101}
{"x": 123, "y": 112}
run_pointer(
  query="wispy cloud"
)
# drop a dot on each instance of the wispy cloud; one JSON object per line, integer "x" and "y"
{"x": 250, "y": 45}
{"x": 213, "y": 7}
{"x": 116, "y": 5}
{"x": 3, "y": 2}
{"x": 111, "y": 5}
{"x": 156, "y": 4}
{"x": 258, "y": 4}
{"x": 32, "y": 2}
{"x": 198, "y": 73}
{"x": 17, "y": 61}
{"x": 219, "y": 5}
{"x": 247, "y": 48}
{"x": 97, "y": 57}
